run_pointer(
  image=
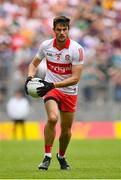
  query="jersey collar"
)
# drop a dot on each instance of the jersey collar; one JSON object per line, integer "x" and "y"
{"x": 67, "y": 44}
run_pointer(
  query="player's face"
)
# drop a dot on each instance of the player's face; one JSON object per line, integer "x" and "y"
{"x": 61, "y": 32}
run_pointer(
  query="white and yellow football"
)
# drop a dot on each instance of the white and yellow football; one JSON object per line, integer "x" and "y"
{"x": 32, "y": 87}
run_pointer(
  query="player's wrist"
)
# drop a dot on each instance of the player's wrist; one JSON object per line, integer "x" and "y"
{"x": 55, "y": 85}
{"x": 29, "y": 77}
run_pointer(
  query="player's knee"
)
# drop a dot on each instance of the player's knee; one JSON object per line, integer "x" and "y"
{"x": 53, "y": 118}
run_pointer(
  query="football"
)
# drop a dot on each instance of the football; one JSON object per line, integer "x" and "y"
{"x": 32, "y": 87}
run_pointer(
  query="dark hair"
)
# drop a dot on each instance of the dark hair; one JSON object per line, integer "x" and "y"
{"x": 62, "y": 20}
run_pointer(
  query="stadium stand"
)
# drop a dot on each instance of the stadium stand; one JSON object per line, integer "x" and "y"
{"x": 96, "y": 24}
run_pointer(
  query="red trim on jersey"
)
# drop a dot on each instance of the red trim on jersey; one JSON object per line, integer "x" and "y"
{"x": 62, "y": 69}
{"x": 67, "y": 44}
{"x": 80, "y": 54}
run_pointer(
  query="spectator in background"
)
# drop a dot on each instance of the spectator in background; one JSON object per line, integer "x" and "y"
{"x": 94, "y": 22}
{"x": 115, "y": 73}
{"x": 6, "y": 57}
{"x": 18, "y": 109}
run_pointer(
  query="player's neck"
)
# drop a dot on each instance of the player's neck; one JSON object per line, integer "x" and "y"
{"x": 60, "y": 44}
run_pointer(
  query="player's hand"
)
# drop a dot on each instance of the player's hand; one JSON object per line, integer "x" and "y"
{"x": 26, "y": 82}
{"x": 46, "y": 88}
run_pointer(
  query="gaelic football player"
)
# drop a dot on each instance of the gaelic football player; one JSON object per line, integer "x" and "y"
{"x": 64, "y": 58}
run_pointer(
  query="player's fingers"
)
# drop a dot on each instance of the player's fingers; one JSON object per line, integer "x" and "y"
{"x": 41, "y": 94}
{"x": 41, "y": 81}
{"x": 40, "y": 89}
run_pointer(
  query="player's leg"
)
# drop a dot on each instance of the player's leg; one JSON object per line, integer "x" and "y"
{"x": 22, "y": 123}
{"x": 49, "y": 131}
{"x": 66, "y": 124}
{"x": 15, "y": 124}
{"x": 52, "y": 113}
{"x": 65, "y": 136}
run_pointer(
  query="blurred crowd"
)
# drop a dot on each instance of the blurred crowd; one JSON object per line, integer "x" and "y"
{"x": 95, "y": 24}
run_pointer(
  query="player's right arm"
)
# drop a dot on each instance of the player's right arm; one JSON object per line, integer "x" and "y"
{"x": 33, "y": 67}
{"x": 36, "y": 61}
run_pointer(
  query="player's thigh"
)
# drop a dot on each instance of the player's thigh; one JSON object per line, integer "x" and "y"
{"x": 66, "y": 120}
{"x": 52, "y": 110}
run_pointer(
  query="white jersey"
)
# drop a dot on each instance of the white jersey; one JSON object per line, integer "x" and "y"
{"x": 60, "y": 61}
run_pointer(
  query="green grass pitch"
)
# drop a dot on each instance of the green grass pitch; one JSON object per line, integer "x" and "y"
{"x": 89, "y": 159}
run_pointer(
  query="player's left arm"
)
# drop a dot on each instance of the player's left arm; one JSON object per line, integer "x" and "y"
{"x": 77, "y": 67}
{"x": 74, "y": 79}
{"x": 76, "y": 74}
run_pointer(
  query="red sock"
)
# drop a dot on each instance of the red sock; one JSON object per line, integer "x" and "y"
{"x": 48, "y": 148}
{"x": 61, "y": 153}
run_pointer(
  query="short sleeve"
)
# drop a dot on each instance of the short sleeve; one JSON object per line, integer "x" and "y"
{"x": 78, "y": 55}
{"x": 40, "y": 52}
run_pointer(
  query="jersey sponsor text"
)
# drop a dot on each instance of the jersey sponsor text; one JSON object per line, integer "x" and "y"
{"x": 61, "y": 69}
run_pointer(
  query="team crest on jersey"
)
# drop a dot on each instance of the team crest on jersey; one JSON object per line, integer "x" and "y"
{"x": 67, "y": 57}
{"x": 58, "y": 56}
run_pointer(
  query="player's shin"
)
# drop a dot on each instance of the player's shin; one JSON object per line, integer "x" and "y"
{"x": 49, "y": 136}
{"x": 63, "y": 142}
